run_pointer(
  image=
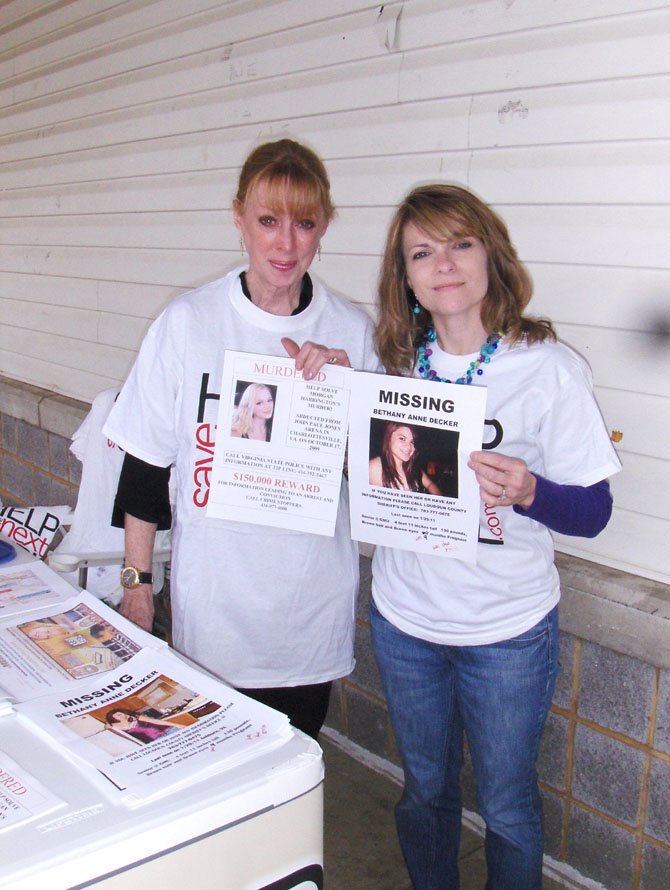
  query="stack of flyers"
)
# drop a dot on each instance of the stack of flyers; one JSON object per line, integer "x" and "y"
{"x": 154, "y": 725}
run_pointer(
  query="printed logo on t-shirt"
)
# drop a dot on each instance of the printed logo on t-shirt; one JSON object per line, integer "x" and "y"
{"x": 205, "y": 439}
{"x": 496, "y": 434}
{"x": 490, "y": 525}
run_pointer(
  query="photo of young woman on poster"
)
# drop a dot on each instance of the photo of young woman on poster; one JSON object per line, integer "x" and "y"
{"x": 411, "y": 458}
{"x": 254, "y": 409}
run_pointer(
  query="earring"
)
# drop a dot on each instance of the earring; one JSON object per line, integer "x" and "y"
{"x": 416, "y": 308}
{"x": 318, "y": 251}
{"x": 243, "y": 246}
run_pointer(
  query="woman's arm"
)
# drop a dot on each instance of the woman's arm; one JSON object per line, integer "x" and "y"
{"x": 375, "y": 471}
{"x": 570, "y": 509}
{"x": 578, "y": 510}
{"x": 159, "y": 722}
{"x": 138, "y": 604}
{"x": 142, "y": 506}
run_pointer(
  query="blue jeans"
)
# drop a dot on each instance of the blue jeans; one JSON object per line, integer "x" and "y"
{"x": 499, "y": 694}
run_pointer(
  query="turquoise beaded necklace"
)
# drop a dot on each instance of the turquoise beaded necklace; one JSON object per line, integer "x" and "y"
{"x": 486, "y": 351}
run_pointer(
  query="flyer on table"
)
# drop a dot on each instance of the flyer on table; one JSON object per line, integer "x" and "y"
{"x": 280, "y": 444}
{"x": 155, "y": 724}
{"x": 65, "y": 643}
{"x": 22, "y": 797}
{"x": 409, "y": 483}
{"x": 30, "y": 586}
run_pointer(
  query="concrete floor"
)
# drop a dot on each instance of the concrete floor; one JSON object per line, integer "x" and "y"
{"x": 361, "y": 850}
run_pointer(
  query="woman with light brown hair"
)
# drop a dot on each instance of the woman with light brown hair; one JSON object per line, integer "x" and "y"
{"x": 402, "y": 326}
{"x": 466, "y": 648}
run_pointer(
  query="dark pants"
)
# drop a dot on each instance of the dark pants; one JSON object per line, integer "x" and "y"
{"x": 305, "y": 706}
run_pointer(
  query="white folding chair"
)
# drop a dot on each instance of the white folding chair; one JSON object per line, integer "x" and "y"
{"x": 91, "y": 542}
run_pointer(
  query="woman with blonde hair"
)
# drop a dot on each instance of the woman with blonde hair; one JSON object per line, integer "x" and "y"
{"x": 269, "y": 610}
{"x": 253, "y": 415}
{"x": 468, "y": 648}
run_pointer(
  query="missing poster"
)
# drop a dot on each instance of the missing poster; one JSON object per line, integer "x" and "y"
{"x": 154, "y": 725}
{"x": 409, "y": 483}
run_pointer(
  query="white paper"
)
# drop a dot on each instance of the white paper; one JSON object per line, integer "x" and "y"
{"x": 22, "y": 797}
{"x": 445, "y": 423}
{"x": 293, "y": 480}
{"x": 56, "y": 647}
{"x": 30, "y": 586}
{"x": 183, "y": 725}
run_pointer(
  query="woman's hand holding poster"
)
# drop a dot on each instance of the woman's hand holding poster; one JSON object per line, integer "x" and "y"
{"x": 280, "y": 444}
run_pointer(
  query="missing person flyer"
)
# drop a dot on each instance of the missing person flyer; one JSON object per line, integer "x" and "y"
{"x": 409, "y": 483}
{"x": 155, "y": 724}
{"x": 280, "y": 444}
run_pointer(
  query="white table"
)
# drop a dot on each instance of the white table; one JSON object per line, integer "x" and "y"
{"x": 258, "y": 826}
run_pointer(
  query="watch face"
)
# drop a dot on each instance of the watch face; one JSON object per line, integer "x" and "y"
{"x": 129, "y": 577}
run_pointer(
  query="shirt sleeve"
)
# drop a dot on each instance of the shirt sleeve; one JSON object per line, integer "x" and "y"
{"x": 143, "y": 420}
{"x": 570, "y": 509}
{"x": 143, "y": 492}
{"x": 571, "y": 436}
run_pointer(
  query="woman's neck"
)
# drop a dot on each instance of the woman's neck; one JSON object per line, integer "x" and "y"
{"x": 275, "y": 300}
{"x": 401, "y": 473}
{"x": 458, "y": 339}
{"x": 258, "y": 428}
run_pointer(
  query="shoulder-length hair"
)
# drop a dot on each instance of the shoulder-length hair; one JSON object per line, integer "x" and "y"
{"x": 244, "y": 412}
{"x": 446, "y": 212}
{"x": 411, "y": 468}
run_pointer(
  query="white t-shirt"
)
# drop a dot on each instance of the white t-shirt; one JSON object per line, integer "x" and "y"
{"x": 256, "y": 605}
{"x": 541, "y": 409}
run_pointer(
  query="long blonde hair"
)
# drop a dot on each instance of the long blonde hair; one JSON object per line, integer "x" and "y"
{"x": 443, "y": 212}
{"x": 244, "y": 413}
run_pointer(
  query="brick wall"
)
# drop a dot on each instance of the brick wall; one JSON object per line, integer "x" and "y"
{"x": 36, "y": 467}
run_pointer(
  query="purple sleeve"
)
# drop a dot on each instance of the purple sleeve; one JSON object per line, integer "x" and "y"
{"x": 570, "y": 509}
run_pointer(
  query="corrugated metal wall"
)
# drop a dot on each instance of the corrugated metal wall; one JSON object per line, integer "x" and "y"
{"x": 123, "y": 125}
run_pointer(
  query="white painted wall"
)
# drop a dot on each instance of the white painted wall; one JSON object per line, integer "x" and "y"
{"x": 123, "y": 124}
